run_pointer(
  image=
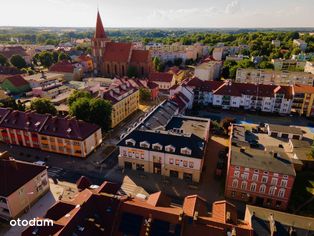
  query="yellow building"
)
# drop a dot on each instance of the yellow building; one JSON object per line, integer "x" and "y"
{"x": 303, "y": 100}
{"x": 69, "y": 136}
{"x": 124, "y": 99}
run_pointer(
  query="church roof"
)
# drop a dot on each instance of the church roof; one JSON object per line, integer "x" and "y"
{"x": 100, "y": 32}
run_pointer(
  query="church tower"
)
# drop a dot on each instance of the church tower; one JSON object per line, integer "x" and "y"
{"x": 99, "y": 43}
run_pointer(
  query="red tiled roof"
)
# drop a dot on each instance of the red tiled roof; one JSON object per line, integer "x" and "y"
{"x": 303, "y": 88}
{"x": 159, "y": 199}
{"x": 62, "y": 67}
{"x": 100, "y": 31}
{"x": 17, "y": 80}
{"x": 140, "y": 56}
{"x": 161, "y": 77}
{"x": 8, "y": 52}
{"x": 210, "y": 85}
{"x": 117, "y": 52}
{"x": 194, "y": 82}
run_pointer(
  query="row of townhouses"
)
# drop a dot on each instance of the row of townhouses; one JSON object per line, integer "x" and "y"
{"x": 166, "y": 143}
{"x": 67, "y": 136}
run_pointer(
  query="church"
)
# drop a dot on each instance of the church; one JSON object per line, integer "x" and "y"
{"x": 115, "y": 59}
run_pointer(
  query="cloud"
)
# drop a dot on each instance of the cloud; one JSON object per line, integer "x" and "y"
{"x": 232, "y": 7}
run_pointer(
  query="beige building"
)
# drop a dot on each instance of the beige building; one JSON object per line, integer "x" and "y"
{"x": 260, "y": 76}
{"x": 309, "y": 67}
{"x": 21, "y": 185}
{"x": 289, "y": 64}
{"x": 208, "y": 70}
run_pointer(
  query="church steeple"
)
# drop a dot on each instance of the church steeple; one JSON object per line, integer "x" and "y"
{"x": 100, "y": 32}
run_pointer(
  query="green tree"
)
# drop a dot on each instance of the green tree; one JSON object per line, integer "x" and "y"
{"x": 266, "y": 65}
{"x": 3, "y": 60}
{"x": 144, "y": 94}
{"x": 55, "y": 56}
{"x": 132, "y": 72}
{"x": 18, "y": 61}
{"x": 78, "y": 94}
{"x": 178, "y": 61}
{"x": 156, "y": 62}
{"x": 81, "y": 109}
{"x": 62, "y": 56}
{"x": 46, "y": 58}
{"x": 100, "y": 112}
{"x": 14, "y": 104}
{"x": 43, "y": 106}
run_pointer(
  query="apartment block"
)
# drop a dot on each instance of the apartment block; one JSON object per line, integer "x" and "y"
{"x": 21, "y": 185}
{"x": 303, "y": 100}
{"x": 166, "y": 144}
{"x": 263, "y": 177}
{"x": 208, "y": 70}
{"x": 288, "y": 64}
{"x": 258, "y": 76}
{"x": 309, "y": 67}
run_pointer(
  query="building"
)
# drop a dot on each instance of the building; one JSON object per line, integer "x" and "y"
{"x": 288, "y": 65}
{"x": 8, "y": 71}
{"x": 54, "y": 134}
{"x": 309, "y": 67}
{"x": 258, "y": 76}
{"x": 284, "y": 132}
{"x": 21, "y": 185}
{"x": 300, "y": 43}
{"x": 303, "y": 101}
{"x": 69, "y": 70}
{"x": 115, "y": 58}
{"x": 107, "y": 211}
{"x": 276, "y": 43}
{"x": 258, "y": 176}
{"x": 270, "y": 222}
{"x": 218, "y": 53}
{"x": 164, "y": 80}
{"x": 166, "y": 144}
{"x": 44, "y": 80}
{"x": 124, "y": 99}
{"x": 10, "y": 50}
{"x": 208, "y": 71}
{"x": 301, "y": 151}
{"x": 87, "y": 62}
{"x": 15, "y": 85}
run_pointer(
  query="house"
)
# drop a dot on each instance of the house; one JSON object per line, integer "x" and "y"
{"x": 271, "y": 222}
{"x": 309, "y": 67}
{"x": 285, "y": 132}
{"x": 9, "y": 51}
{"x": 8, "y": 71}
{"x": 107, "y": 211}
{"x": 164, "y": 80}
{"x": 21, "y": 185}
{"x": 15, "y": 85}
{"x": 276, "y": 43}
{"x": 69, "y": 70}
{"x": 257, "y": 176}
{"x": 208, "y": 71}
{"x": 166, "y": 144}
{"x": 87, "y": 62}
{"x": 44, "y": 79}
{"x": 300, "y": 43}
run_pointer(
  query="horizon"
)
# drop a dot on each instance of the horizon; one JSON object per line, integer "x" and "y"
{"x": 243, "y": 14}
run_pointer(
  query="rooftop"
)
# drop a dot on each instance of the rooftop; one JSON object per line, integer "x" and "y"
{"x": 161, "y": 77}
{"x": 47, "y": 76}
{"x": 285, "y": 129}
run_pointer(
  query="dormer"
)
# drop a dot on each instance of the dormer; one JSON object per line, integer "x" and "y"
{"x": 170, "y": 148}
{"x": 157, "y": 146}
{"x": 130, "y": 142}
{"x": 186, "y": 151}
{"x": 144, "y": 144}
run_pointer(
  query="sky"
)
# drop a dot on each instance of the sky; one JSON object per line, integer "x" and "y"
{"x": 158, "y": 13}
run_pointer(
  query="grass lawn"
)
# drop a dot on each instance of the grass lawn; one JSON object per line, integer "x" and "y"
{"x": 303, "y": 190}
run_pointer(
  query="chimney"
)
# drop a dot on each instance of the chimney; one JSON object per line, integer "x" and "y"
{"x": 4, "y": 156}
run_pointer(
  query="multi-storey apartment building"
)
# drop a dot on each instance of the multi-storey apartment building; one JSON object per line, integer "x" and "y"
{"x": 54, "y": 134}
{"x": 262, "y": 177}
{"x": 166, "y": 144}
{"x": 21, "y": 185}
{"x": 288, "y": 64}
{"x": 303, "y": 100}
{"x": 228, "y": 95}
{"x": 208, "y": 70}
{"x": 124, "y": 99}
{"x": 259, "y": 76}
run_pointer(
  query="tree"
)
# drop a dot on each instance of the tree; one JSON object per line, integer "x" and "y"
{"x": 144, "y": 94}
{"x": 81, "y": 109}
{"x": 3, "y": 60}
{"x": 14, "y": 104}
{"x": 62, "y": 56}
{"x": 100, "y": 112}
{"x": 46, "y": 58}
{"x": 178, "y": 61}
{"x": 156, "y": 62}
{"x": 266, "y": 65}
{"x": 78, "y": 94}
{"x": 55, "y": 56}
{"x": 43, "y": 106}
{"x": 226, "y": 122}
{"x": 132, "y": 72}
{"x": 18, "y": 61}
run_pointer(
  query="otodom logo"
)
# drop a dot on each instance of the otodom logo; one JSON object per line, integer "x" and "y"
{"x": 31, "y": 222}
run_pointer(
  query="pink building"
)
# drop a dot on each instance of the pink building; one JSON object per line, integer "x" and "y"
{"x": 261, "y": 177}
{"x": 21, "y": 185}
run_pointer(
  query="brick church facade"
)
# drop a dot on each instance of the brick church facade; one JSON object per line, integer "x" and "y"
{"x": 114, "y": 59}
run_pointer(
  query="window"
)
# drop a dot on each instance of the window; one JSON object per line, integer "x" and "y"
{"x": 186, "y": 151}
{"x": 144, "y": 144}
{"x": 170, "y": 148}
{"x": 262, "y": 188}
{"x": 177, "y": 162}
{"x": 191, "y": 164}
{"x": 124, "y": 153}
{"x": 272, "y": 191}
{"x": 130, "y": 142}
{"x": 236, "y": 174}
{"x": 185, "y": 163}
{"x": 281, "y": 193}
{"x": 171, "y": 160}
{"x": 284, "y": 183}
{"x": 234, "y": 183}
{"x": 285, "y": 176}
{"x": 256, "y": 171}
{"x": 243, "y": 185}
{"x": 265, "y": 172}
{"x": 255, "y": 177}
{"x": 274, "y": 181}
{"x": 157, "y": 146}
{"x": 233, "y": 194}
{"x": 264, "y": 179}
{"x": 245, "y": 176}
{"x": 129, "y": 154}
{"x": 253, "y": 187}
{"x": 142, "y": 156}
{"x": 237, "y": 167}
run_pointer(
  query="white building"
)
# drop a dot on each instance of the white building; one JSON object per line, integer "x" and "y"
{"x": 208, "y": 70}
{"x": 276, "y": 43}
{"x": 300, "y": 43}
{"x": 218, "y": 53}
{"x": 309, "y": 67}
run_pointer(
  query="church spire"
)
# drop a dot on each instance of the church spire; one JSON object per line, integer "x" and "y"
{"x": 100, "y": 32}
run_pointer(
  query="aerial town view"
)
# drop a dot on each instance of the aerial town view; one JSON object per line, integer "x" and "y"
{"x": 140, "y": 118}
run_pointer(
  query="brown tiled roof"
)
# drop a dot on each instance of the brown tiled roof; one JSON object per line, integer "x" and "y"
{"x": 117, "y": 52}
{"x": 140, "y": 56}
{"x": 9, "y": 51}
{"x": 15, "y": 174}
{"x": 194, "y": 82}
{"x": 159, "y": 199}
{"x": 17, "y": 80}
{"x": 303, "y": 88}
{"x": 161, "y": 77}
{"x": 100, "y": 31}
{"x": 62, "y": 67}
